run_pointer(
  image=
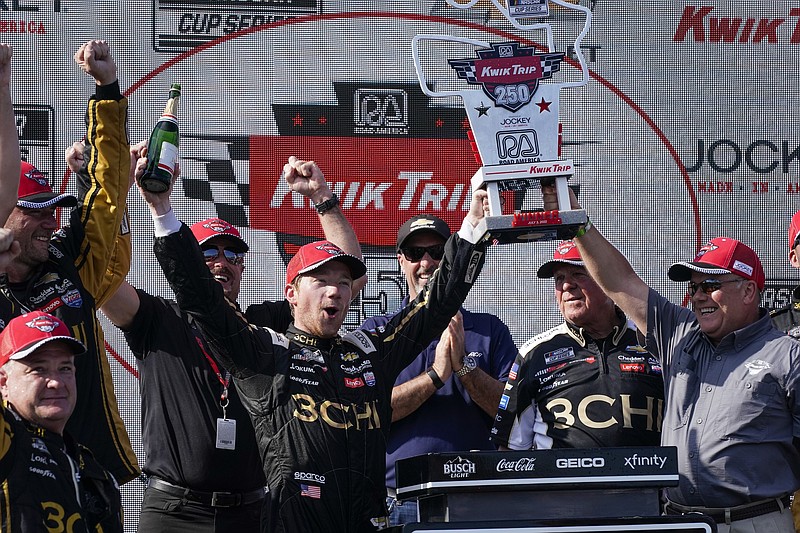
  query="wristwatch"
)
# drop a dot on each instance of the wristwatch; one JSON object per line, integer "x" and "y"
{"x": 327, "y": 205}
{"x": 469, "y": 363}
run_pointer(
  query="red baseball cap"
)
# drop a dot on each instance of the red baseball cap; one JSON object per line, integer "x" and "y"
{"x": 566, "y": 254}
{"x": 316, "y": 254}
{"x": 216, "y": 227}
{"x": 794, "y": 229}
{"x": 26, "y": 333}
{"x": 722, "y": 255}
{"x": 35, "y": 192}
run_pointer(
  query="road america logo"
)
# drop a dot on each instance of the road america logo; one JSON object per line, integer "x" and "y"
{"x": 509, "y": 73}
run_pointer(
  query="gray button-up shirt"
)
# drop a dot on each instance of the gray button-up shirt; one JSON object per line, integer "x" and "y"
{"x": 732, "y": 410}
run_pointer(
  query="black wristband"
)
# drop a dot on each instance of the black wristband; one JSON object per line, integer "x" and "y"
{"x": 437, "y": 381}
{"x": 327, "y": 205}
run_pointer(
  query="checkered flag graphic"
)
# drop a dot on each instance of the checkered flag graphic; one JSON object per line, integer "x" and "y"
{"x": 465, "y": 68}
{"x": 551, "y": 63}
{"x": 215, "y": 174}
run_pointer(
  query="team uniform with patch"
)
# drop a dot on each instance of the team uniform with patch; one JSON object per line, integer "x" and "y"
{"x": 86, "y": 265}
{"x": 567, "y": 390}
{"x": 321, "y": 408}
{"x": 50, "y": 483}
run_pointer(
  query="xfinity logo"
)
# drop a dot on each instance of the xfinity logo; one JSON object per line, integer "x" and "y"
{"x": 636, "y": 460}
{"x": 581, "y": 462}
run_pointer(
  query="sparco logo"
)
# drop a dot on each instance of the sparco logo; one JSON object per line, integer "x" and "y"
{"x": 181, "y": 25}
{"x": 459, "y": 468}
{"x": 309, "y": 476}
{"x": 523, "y": 464}
{"x": 580, "y": 462}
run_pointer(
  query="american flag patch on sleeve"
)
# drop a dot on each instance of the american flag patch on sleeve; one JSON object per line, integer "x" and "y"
{"x": 310, "y": 491}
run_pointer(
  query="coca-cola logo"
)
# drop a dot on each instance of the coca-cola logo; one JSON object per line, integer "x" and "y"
{"x": 523, "y": 464}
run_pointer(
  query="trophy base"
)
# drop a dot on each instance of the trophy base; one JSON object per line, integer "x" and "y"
{"x": 533, "y": 226}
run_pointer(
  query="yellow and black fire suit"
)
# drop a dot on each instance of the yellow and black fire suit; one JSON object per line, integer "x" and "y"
{"x": 85, "y": 267}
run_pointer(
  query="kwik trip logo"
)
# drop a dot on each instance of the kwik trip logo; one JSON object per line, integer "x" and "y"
{"x": 459, "y": 468}
{"x": 509, "y": 73}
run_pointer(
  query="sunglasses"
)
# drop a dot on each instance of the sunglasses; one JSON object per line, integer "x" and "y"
{"x": 210, "y": 253}
{"x": 708, "y": 286}
{"x": 416, "y": 253}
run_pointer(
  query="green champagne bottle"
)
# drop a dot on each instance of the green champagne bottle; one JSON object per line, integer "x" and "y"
{"x": 162, "y": 149}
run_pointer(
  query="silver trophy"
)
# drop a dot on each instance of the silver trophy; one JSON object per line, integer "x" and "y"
{"x": 513, "y": 118}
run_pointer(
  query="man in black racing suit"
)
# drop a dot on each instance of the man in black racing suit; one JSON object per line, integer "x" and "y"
{"x": 49, "y": 482}
{"x": 583, "y": 384}
{"x": 320, "y": 403}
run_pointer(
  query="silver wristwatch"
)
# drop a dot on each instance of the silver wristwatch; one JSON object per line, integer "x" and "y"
{"x": 469, "y": 363}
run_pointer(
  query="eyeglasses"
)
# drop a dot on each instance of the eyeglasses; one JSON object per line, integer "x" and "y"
{"x": 708, "y": 286}
{"x": 210, "y": 253}
{"x": 416, "y": 253}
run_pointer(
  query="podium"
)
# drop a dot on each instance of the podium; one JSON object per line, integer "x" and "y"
{"x": 613, "y": 489}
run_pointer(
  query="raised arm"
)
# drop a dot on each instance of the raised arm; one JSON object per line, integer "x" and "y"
{"x": 306, "y": 178}
{"x": 100, "y": 219}
{"x": 607, "y": 266}
{"x": 9, "y": 139}
{"x": 122, "y": 305}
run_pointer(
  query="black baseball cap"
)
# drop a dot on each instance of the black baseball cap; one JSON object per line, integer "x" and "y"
{"x": 419, "y": 223}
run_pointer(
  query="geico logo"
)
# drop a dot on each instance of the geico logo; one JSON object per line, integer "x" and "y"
{"x": 337, "y": 415}
{"x": 562, "y": 410}
{"x": 580, "y": 462}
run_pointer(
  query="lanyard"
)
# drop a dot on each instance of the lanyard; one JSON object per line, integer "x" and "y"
{"x": 223, "y": 399}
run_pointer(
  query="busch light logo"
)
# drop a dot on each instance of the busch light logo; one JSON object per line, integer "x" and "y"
{"x": 459, "y": 468}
